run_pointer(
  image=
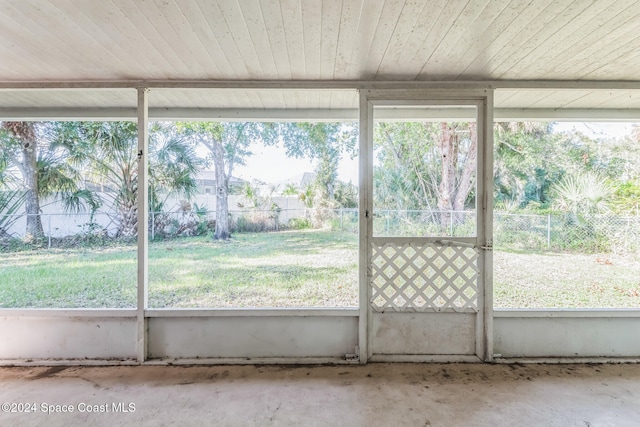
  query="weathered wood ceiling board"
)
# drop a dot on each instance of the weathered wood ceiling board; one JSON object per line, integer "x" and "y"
{"x": 554, "y": 98}
{"x": 61, "y": 40}
{"x": 49, "y": 41}
{"x": 252, "y": 98}
{"x": 68, "y": 98}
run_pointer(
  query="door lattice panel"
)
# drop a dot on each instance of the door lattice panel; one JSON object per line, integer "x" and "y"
{"x": 419, "y": 277}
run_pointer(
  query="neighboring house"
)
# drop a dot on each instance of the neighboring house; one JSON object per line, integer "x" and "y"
{"x": 206, "y": 180}
{"x": 304, "y": 179}
{"x": 300, "y": 180}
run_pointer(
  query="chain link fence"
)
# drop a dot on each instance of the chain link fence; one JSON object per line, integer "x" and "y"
{"x": 565, "y": 232}
{"x": 406, "y": 223}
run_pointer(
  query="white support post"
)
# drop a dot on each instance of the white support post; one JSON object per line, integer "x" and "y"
{"x": 366, "y": 220}
{"x": 143, "y": 221}
{"x": 485, "y": 228}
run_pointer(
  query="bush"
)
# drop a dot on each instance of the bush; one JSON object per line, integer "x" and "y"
{"x": 255, "y": 222}
{"x": 579, "y": 233}
{"x": 299, "y": 224}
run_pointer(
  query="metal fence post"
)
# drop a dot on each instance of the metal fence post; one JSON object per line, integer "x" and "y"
{"x": 153, "y": 225}
{"x": 548, "y": 231}
{"x": 388, "y": 220}
{"x": 341, "y": 220}
{"x": 451, "y": 224}
{"x": 49, "y": 226}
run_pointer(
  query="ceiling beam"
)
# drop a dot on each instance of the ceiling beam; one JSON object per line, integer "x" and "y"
{"x": 323, "y": 84}
{"x": 317, "y": 115}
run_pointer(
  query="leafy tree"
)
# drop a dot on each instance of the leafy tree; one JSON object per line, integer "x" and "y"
{"x": 290, "y": 189}
{"x": 308, "y": 195}
{"x": 107, "y": 152}
{"x": 528, "y": 159}
{"x": 539, "y": 167}
{"x": 44, "y": 168}
{"x": 425, "y": 165}
{"x": 346, "y": 195}
{"x": 324, "y": 143}
{"x": 250, "y": 196}
{"x": 228, "y": 146}
{"x": 626, "y": 199}
{"x": 20, "y": 140}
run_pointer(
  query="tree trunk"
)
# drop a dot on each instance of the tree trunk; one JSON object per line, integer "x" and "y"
{"x": 448, "y": 146}
{"x": 467, "y": 178}
{"x": 127, "y": 202}
{"x": 28, "y": 165}
{"x": 128, "y": 218}
{"x": 32, "y": 201}
{"x": 222, "y": 195}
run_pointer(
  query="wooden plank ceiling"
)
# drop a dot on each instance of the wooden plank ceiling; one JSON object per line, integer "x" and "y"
{"x": 413, "y": 40}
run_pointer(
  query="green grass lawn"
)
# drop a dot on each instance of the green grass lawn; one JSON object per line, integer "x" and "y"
{"x": 565, "y": 280}
{"x": 69, "y": 278}
{"x": 286, "y": 269}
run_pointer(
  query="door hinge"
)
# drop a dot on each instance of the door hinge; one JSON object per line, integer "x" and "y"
{"x": 366, "y": 214}
{"x": 488, "y": 246}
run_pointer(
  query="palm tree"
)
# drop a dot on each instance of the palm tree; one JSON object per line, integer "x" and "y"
{"x": 107, "y": 151}
{"x": 44, "y": 169}
{"x": 20, "y": 139}
{"x": 585, "y": 192}
{"x": 290, "y": 189}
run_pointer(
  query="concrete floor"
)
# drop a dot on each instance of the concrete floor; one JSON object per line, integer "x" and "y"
{"x": 372, "y": 395}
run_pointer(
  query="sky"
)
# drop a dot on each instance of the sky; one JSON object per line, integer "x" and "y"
{"x": 596, "y": 129}
{"x": 271, "y": 165}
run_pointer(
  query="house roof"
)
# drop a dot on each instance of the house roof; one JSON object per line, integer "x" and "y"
{"x": 107, "y": 48}
{"x": 208, "y": 178}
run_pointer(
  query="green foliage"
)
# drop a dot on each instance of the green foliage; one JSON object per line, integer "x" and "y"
{"x": 346, "y": 195}
{"x": 626, "y": 199}
{"x": 307, "y": 195}
{"x": 251, "y": 198}
{"x": 290, "y": 189}
{"x": 324, "y": 143}
{"x": 10, "y": 203}
{"x": 260, "y": 213}
{"x": 42, "y": 168}
{"x": 108, "y": 153}
{"x": 228, "y": 141}
{"x": 173, "y": 165}
{"x": 11, "y": 198}
{"x": 583, "y": 192}
{"x": 228, "y": 146}
{"x": 300, "y": 223}
{"x": 527, "y": 161}
{"x": 579, "y": 233}
{"x": 424, "y": 165}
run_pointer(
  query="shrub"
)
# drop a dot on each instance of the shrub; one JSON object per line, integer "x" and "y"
{"x": 299, "y": 223}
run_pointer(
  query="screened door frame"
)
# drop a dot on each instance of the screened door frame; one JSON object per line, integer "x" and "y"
{"x": 482, "y": 99}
